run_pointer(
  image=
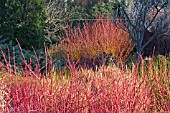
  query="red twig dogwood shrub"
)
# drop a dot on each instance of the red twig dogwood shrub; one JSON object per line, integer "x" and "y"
{"x": 108, "y": 90}
{"x": 94, "y": 39}
{"x": 157, "y": 73}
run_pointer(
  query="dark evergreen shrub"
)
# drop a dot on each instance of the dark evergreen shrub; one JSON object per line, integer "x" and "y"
{"x": 24, "y": 20}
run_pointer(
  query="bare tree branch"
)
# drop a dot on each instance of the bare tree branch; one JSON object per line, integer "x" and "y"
{"x": 157, "y": 12}
{"x": 137, "y": 23}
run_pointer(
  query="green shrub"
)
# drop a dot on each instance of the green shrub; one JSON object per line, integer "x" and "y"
{"x": 103, "y": 9}
{"x": 24, "y": 20}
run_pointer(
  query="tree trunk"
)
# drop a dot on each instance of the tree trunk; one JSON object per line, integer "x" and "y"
{"x": 139, "y": 44}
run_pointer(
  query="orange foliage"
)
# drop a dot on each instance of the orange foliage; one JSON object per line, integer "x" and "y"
{"x": 94, "y": 39}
